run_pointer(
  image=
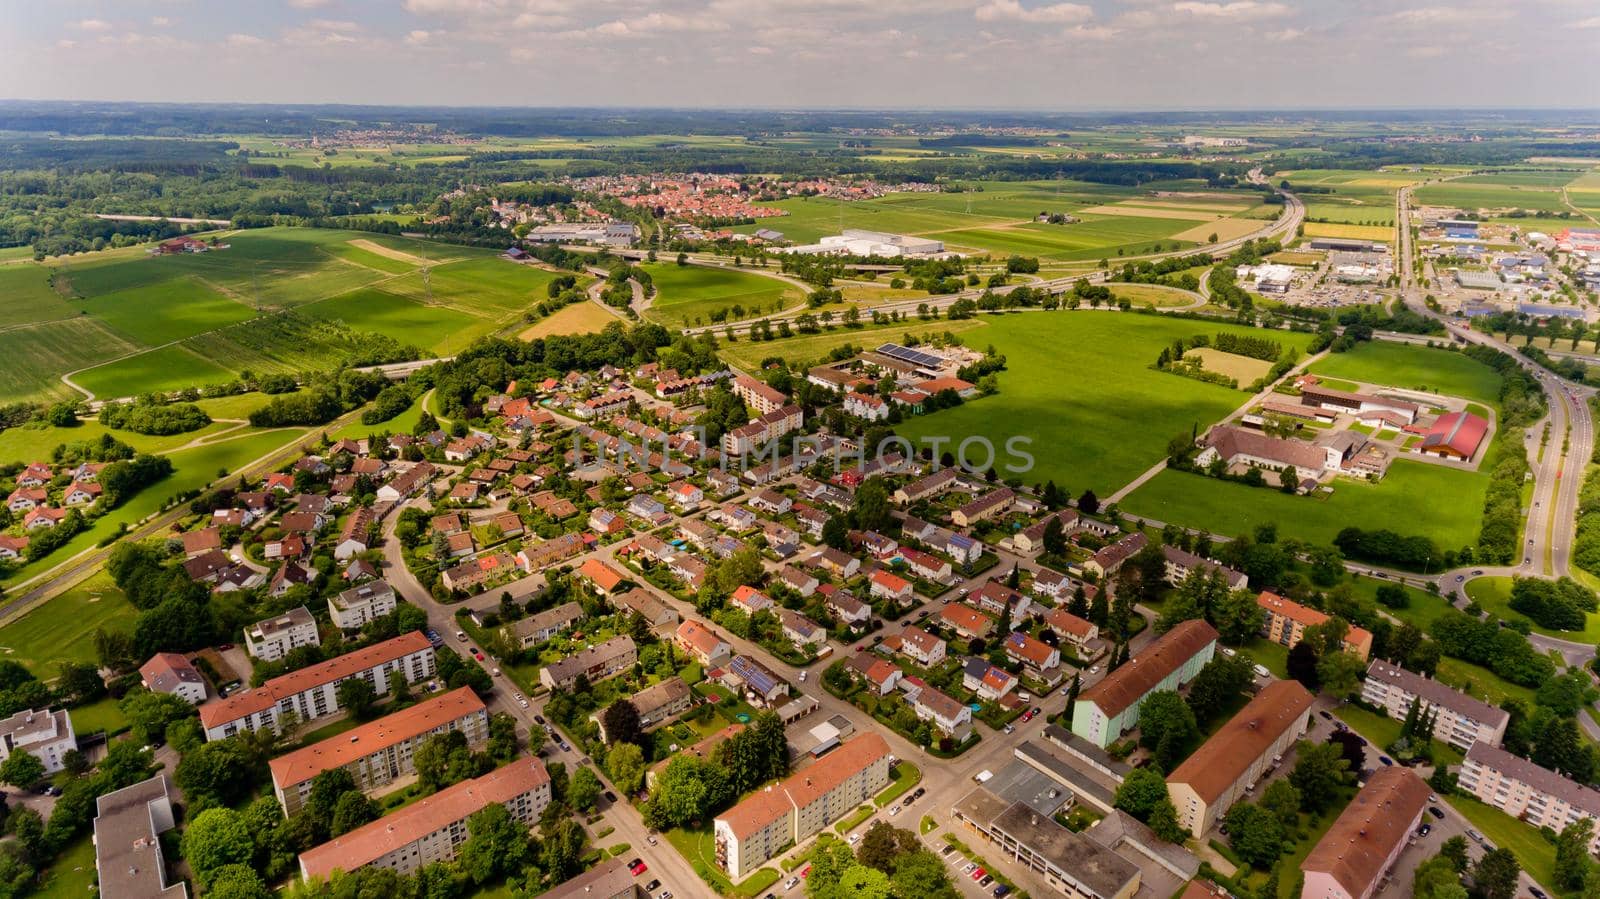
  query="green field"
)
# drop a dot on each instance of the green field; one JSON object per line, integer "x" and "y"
{"x": 169, "y": 368}
{"x": 1080, "y": 386}
{"x": 807, "y": 349}
{"x": 38, "y": 355}
{"x": 29, "y": 296}
{"x": 62, "y": 629}
{"x": 33, "y": 442}
{"x": 689, "y": 295}
{"x": 1413, "y": 367}
{"x": 161, "y": 313}
{"x": 1493, "y": 594}
{"x": 372, "y": 309}
{"x": 1413, "y": 498}
{"x": 1474, "y": 195}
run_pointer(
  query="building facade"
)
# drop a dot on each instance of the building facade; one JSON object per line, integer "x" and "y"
{"x": 1462, "y": 720}
{"x": 1230, "y": 763}
{"x": 359, "y": 605}
{"x": 1110, "y": 708}
{"x": 1524, "y": 790}
{"x": 1350, "y": 860}
{"x": 271, "y": 639}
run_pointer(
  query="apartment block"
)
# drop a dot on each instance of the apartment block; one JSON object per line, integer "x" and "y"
{"x": 381, "y": 751}
{"x": 791, "y": 812}
{"x": 1285, "y": 621}
{"x": 598, "y": 662}
{"x": 1226, "y": 766}
{"x": 359, "y": 605}
{"x": 312, "y": 692}
{"x": 1351, "y": 859}
{"x": 1524, "y": 790}
{"x": 1462, "y": 720}
{"x": 272, "y": 639}
{"x": 1110, "y": 708}
{"x": 128, "y": 824}
{"x": 44, "y": 734}
{"x": 432, "y": 829}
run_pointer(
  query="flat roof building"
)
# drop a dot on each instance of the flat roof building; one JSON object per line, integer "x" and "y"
{"x": 272, "y": 638}
{"x": 1462, "y": 720}
{"x": 1227, "y": 765}
{"x": 128, "y": 825}
{"x": 1070, "y": 862}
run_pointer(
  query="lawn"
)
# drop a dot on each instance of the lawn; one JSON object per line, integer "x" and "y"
{"x": 1382, "y": 730}
{"x": 62, "y": 629}
{"x": 1537, "y": 855}
{"x": 38, "y": 355}
{"x": 169, "y": 368}
{"x": 1413, "y": 367}
{"x": 692, "y": 294}
{"x": 33, "y": 442}
{"x": 1413, "y": 498}
{"x": 1080, "y": 387}
{"x": 102, "y": 715}
{"x": 1493, "y": 594}
{"x": 72, "y": 875}
{"x": 408, "y": 321}
{"x": 1480, "y": 682}
{"x": 906, "y": 776}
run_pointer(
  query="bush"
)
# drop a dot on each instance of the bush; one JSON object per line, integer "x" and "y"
{"x": 152, "y": 418}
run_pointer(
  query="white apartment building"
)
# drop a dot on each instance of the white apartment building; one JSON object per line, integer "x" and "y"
{"x": 1462, "y": 720}
{"x": 359, "y": 605}
{"x": 44, "y": 734}
{"x": 1524, "y": 790}
{"x": 271, "y": 639}
{"x": 311, "y": 692}
{"x": 432, "y": 829}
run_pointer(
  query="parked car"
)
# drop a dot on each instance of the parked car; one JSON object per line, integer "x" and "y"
{"x": 1436, "y": 811}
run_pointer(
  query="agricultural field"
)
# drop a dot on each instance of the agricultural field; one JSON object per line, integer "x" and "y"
{"x": 1243, "y": 369}
{"x": 1476, "y": 195}
{"x": 688, "y": 295}
{"x": 1413, "y": 498}
{"x": 807, "y": 349}
{"x": 1357, "y": 198}
{"x": 580, "y": 318}
{"x": 1000, "y": 218}
{"x": 1415, "y": 368}
{"x": 1356, "y": 232}
{"x": 1154, "y": 295}
{"x": 1080, "y": 386}
{"x": 276, "y": 300}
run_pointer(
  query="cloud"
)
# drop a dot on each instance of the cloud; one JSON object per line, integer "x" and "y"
{"x": 1091, "y": 33}
{"x": 759, "y": 51}
{"x": 1286, "y": 34}
{"x": 418, "y": 37}
{"x": 160, "y": 21}
{"x": 1428, "y": 52}
{"x": 1592, "y": 22}
{"x": 1238, "y": 9}
{"x": 1014, "y": 11}
{"x": 323, "y": 32}
{"x": 660, "y": 23}
{"x": 238, "y": 39}
{"x": 308, "y": 4}
{"x": 1445, "y": 15}
{"x": 93, "y": 25}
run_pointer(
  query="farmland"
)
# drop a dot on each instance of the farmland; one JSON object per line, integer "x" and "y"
{"x": 1072, "y": 385}
{"x": 579, "y": 318}
{"x": 691, "y": 294}
{"x": 810, "y": 348}
{"x": 276, "y": 300}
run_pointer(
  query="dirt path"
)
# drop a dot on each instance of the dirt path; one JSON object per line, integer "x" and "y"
{"x": 361, "y": 243}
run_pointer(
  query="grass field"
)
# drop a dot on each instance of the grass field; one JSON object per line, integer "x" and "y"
{"x": 1413, "y": 367}
{"x": 33, "y": 442}
{"x": 1153, "y": 295}
{"x": 1080, "y": 386}
{"x": 38, "y": 355}
{"x": 1494, "y": 595}
{"x": 691, "y": 294}
{"x": 372, "y": 309}
{"x": 808, "y": 348}
{"x": 1479, "y": 195}
{"x": 1413, "y": 498}
{"x": 62, "y": 629}
{"x": 72, "y": 874}
{"x": 169, "y": 368}
{"x": 579, "y": 318}
{"x": 161, "y": 313}
{"x": 1537, "y": 855}
{"x": 29, "y": 296}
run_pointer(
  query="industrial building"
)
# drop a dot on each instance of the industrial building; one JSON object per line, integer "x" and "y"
{"x": 614, "y": 234}
{"x": 857, "y": 242}
{"x": 1456, "y": 435}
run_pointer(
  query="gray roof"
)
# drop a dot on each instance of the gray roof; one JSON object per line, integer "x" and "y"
{"x": 1438, "y": 694}
{"x": 600, "y": 882}
{"x": 1096, "y": 868}
{"x": 127, "y": 845}
{"x": 1119, "y": 827}
{"x": 1021, "y": 782}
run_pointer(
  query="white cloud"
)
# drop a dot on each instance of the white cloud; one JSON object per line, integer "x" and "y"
{"x": 1445, "y": 15}
{"x": 160, "y": 21}
{"x": 660, "y": 23}
{"x": 1090, "y": 33}
{"x": 66, "y": 44}
{"x": 1592, "y": 22}
{"x": 1237, "y": 9}
{"x": 759, "y": 51}
{"x": 1286, "y": 34}
{"x": 1428, "y": 52}
{"x": 93, "y": 25}
{"x": 323, "y": 32}
{"x": 418, "y": 37}
{"x": 308, "y": 4}
{"x": 1013, "y": 11}
{"x": 238, "y": 39}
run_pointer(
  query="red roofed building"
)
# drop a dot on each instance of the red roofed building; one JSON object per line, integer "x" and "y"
{"x": 603, "y": 577}
{"x": 1286, "y": 622}
{"x": 1457, "y": 435}
{"x": 1350, "y": 860}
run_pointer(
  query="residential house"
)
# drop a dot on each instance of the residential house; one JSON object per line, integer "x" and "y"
{"x": 271, "y": 639}
{"x": 597, "y": 663}
{"x": 1285, "y": 621}
{"x": 949, "y": 716}
{"x": 1109, "y": 559}
{"x": 703, "y": 643}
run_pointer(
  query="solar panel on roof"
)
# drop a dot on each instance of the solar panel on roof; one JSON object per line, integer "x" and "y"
{"x": 907, "y": 354}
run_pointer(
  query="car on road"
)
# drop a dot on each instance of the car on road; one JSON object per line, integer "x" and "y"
{"x": 637, "y": 867}
{"x": 539, "y": 720}
{"x": 895, "y": 811}
{"x": 1424, "y": 830}
{"x": 1094, "y": 669}
{"x": 651, "y": 839}
{"x": 461, "y": 636}
{"x": 495, "y": 672}
{"x": 1462, "y": 577}
{"x": 1001, "y": 890}
{"x": 803, "y": 676}
{"x": 1324, "y": 714}
{"x": 1475, "y": 836}
{"x": 651, "y": 885}
{"x": 1029, "y": 715}
{"x": 791, "y": 883}
{"x": 1229, "y": 651}
{"x": 610, "y": 796}
{"x": 1436, "y": 811}
{"x": 855, "y": 838}
{"x": 1537, "y": 893}
{"x": 1261, "y": 671}
{"x": 1386, "y": 760}
{"x": 1476, "y": 572}
{"x": 1008, "y": 729}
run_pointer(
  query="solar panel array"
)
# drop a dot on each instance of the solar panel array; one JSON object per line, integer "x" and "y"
{"x": 907, "y": 354}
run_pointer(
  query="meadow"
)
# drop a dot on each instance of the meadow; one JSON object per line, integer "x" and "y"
{"x": 62, "y": 629}
{"x": 1080, "y": 386}
{"x": 1413, "y": 498}
{"x": 1476, "y": 195}
{"x": 1413, "y": 367}
{"x": 580, "y": 318}
{"x": 689, "y": 295}
{"x": 808, "y": 349}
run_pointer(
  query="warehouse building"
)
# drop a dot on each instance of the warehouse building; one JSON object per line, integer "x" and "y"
{"x": 857, "y": 242}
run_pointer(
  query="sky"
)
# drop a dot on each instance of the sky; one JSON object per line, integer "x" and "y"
{"x": 966, "y": 54}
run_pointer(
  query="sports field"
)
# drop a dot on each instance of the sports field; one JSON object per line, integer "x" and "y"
{"x": 1413, "y": 498}
{"x": 1080, "y": 386}
{"x": 1415, "y": 368}
{"x": 688, "y": 295}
